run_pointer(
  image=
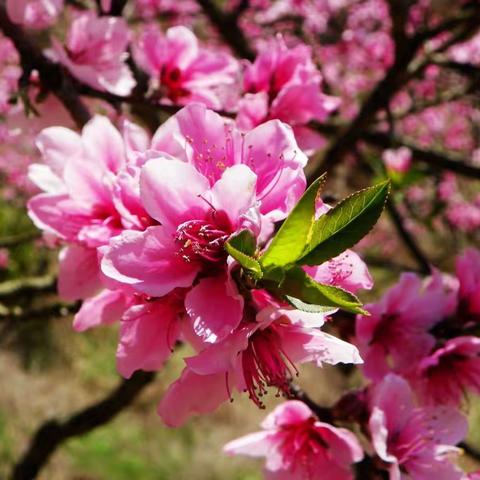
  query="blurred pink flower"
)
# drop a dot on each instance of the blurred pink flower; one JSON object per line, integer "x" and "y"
{"x": 35, "y": 14}
{"x": 398, "y": 160}
{"x": 401, "y": 321}
{"x": 4, "y": 258}
{"x": 297, "y": 446}
{"x": 445, "y": 375}
{"x": 468, "y": 274}
{"x": 95, "y": 53}
{"x": 285, "y": 84}
{"x": 416, "y": 443}
{"x": 90, "y": 194}
{"x": 181, "y": 70}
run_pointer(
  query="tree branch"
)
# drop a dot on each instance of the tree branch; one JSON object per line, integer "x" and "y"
{"x": 227, "y": 26}
{"x": 54, "y": 432}
{"x": 408, "y": 239}
{"x": 433, "y": 158}
{"x": 14, "y": 240}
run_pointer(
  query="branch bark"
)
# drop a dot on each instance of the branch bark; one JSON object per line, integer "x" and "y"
{"x": 54, "y": 432}
{"x": 227, "y": 26}
{"x": 408, "y": 239}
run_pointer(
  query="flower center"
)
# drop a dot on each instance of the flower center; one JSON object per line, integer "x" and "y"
{"x": 171, "y": 83}
{"x": 302, "y": 443}
{"x": 202, "y": 240}
{"x": 265, "y": 364}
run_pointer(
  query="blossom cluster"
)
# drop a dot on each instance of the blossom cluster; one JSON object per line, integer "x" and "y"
{"x": 143, "y": 223}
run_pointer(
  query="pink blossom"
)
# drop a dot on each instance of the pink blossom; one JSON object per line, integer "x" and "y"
{"x": 416, "y": 443}
{"x": 148, "y": 9}
{"x": 401, "y": 321}
{"x": 468, "y": 274}
{"x": 467, "y": 52}
{"x": 398, "y": 160}
{"x": 181, "y": 70}
{"x": 195, "y": 221}
{"x": 446, "y": 374}
{"x": 284, "y": 84}
{"x": 35, "y": 14}
{"x": 10, "y": 73}
{"x": 260, "y": 353}
{"x": 95, "y": 53}
{"x": 472, "y": 476}
{"x": 90, "y": 193}
{"x": 298, "y": 446}
{"x": 4, "y": 258}
{"x": 347, "y": 271}
{"x": 204, "y": 139}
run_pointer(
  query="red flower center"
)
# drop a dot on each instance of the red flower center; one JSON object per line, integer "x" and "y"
{"x": 171, "y": 83}
{"x": 202, "y": 240}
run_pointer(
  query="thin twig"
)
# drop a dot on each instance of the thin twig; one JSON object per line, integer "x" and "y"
{"x": 227, "y": 26}
{"x": 23, "y": 286}
{"x": 53, "y": 433}
{"x": 14, "y": 240}
{"x": 323, "y": 413}
{"x": 408, "y": 239}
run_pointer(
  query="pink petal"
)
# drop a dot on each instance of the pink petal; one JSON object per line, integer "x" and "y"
{"x": 58, "y": 214}
{"x": 312, "y": 345}
{"x": 171, "y": 190}
{"x": 105, "y": 308}
{"x": 271, "y": 151}
{"x": 148, "y": 261}
{"x": 57, "y": 145}
{"x": 148, "y": 334}
{"x": 78, "y": 275}
{"x": 201, "y": 137}
{"x": 215, "y": 307}
{"x": 234, "y": 193}
{"x": 192, "y": 394}
{"x": 347, "y": 271}
{"x": 104, "y": 143}
{"x": 288, "y": 413}
{"x": 253, "y": 445}
{"x": 222, "y": 356}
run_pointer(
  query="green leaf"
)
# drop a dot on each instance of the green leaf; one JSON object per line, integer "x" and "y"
{"x": 244, "y": 242}
{"x": 294, "y": 235}
{"x": 239, "y": 248}
{"x": 298, "y": 284}
{"x": 345, "y": 224}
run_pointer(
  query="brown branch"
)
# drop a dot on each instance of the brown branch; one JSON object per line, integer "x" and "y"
{"x": 227, "y": 26}
{"x": 435, "y": 159}
{"x": 27, "y": 285}
{"x": 323, "y": 413}
{"x": 408, "y": 239}
{"x": 52, "y": 77}
{"x": 14, "y": 240}
{"x": 54, "y": 432}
